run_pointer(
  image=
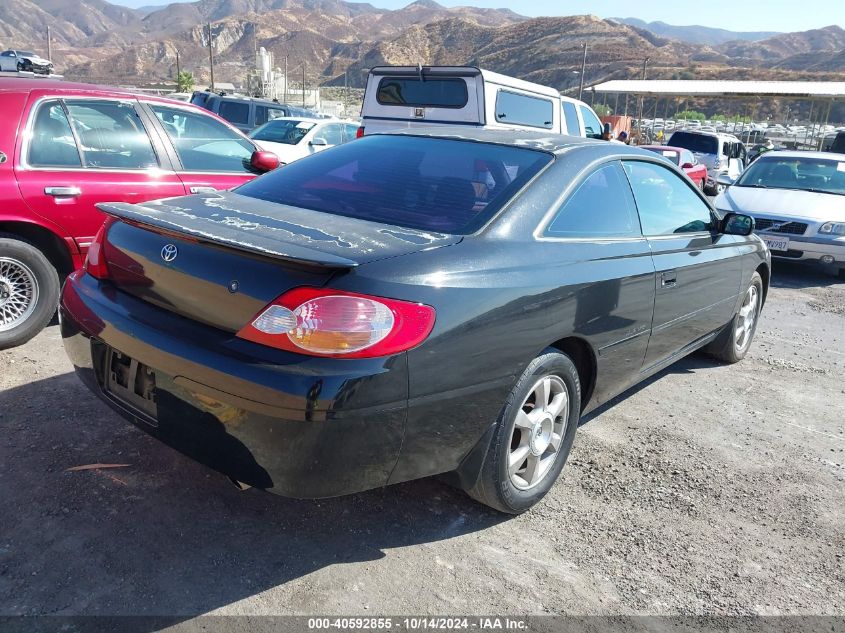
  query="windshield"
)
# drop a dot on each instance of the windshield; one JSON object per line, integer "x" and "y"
{"x": 26, "y": 54}
{"x": 699, "y": 143}
{"x": 810, "y": 174}
{"x": 289, "y": 131}
{"x": 430, "y": 184}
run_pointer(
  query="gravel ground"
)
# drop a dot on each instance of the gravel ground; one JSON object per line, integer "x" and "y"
{"x": 708, "y": 490}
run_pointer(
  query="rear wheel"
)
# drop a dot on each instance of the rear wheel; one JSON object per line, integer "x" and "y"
{"x": 533, "y": 436}
{"x": 733, "y": 344}
{"x": 29, "y": 292}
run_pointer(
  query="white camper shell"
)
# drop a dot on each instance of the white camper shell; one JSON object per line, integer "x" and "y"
{"x": 407, "y": 96}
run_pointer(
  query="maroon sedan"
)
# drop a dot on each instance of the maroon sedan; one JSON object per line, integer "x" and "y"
{"x": 684, "y": 159}
{"x": 64, "y": 147}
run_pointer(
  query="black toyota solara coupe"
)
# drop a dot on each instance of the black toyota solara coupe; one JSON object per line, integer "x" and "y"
{"x": 444, "y": 301}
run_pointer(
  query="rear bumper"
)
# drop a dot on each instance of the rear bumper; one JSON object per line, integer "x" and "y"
{"x": 297, "y": 426}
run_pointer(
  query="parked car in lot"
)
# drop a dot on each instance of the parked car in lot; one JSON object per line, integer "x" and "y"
{"x": 798, "y": 202}
{"x": 451, "y": 300}
{"x": 13, "y": 60}
{"x": 684, "y": 159}
{"x": 291, "y": 138}
{"x": 409, "y": 96}
{"x": 65, "y": 147}
{"x": 722, "y": 154}
{"x": 245, "y": 113}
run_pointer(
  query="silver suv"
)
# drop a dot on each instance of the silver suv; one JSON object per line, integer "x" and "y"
{"x": 722, "y": 154}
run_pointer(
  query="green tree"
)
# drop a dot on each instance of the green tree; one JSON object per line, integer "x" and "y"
{"x": 185, "y": 82}
{"x": 690, "y": 114}
{"x": 602, "y": 110}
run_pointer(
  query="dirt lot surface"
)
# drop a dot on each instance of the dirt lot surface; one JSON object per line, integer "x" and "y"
{"x": 709, "y": 490}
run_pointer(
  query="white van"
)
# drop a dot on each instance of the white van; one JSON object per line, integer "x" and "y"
{"x": 406, "y": 96}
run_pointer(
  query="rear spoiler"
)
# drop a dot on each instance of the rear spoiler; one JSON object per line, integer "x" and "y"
{"x": 230, "y": 236}
{"x": 426, "y": 71}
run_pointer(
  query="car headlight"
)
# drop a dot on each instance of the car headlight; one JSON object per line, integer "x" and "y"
{"x": 832, "y": 228}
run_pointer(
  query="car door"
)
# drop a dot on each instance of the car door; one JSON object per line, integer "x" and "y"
{"x": 8, "y": 61}
{"x": 208, "y": 155}
{"x": 612, "y": 274}
{"x": 698, "y": 270}
{"x": 592, "y": 125}
{"x": 331, "y": 132}
{"x": 78, "y": 152}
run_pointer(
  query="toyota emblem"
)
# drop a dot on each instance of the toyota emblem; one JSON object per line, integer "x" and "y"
{"x": 169, "y": 252}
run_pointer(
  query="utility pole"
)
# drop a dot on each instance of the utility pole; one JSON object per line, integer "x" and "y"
{"x": 178, "y": 69}
{"x": 642, "y": 104}
{"x": 211, "y": 56}
{"x": 285, "y": 98}
{"x": 49, "y": 46}
{"x": 303, "y": 84}
{"x": 345, "y": 91}
{"x": 583, "y": 69}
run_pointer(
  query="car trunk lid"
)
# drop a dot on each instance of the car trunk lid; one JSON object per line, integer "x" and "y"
{"x": 220, "y": 258}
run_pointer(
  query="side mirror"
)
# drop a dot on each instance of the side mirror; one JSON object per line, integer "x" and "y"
{"x": 262, "y": 161}
{"x": 319, "y": 141}
{"x": 687, "y": 166}
{"x": 737, "y": 224}
{"x": 724, "y": 179}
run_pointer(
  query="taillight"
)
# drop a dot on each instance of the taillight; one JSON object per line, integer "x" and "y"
{"x": 95, "y": 262}
{"x": 338, "y": 324}
{"x": 359, "y": 132}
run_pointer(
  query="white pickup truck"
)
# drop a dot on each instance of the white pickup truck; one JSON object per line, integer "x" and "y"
{"x": 408, "y": 96}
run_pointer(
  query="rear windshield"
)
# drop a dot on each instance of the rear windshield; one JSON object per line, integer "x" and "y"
{"x": 429, "y": 184}
{"x": 444, "y": 92}
{"x": 668, "y": 154}
{"x": 699, "y": 143}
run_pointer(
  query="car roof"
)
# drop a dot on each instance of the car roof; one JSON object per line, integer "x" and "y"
{"x": 311, "y": 119}
{"x": 546, "y": 141}
{"x": 58, "y": 86}
{"x": 720, "y": 135}
{"x": 670, "y": 148}
{"x": 775, "y": 153}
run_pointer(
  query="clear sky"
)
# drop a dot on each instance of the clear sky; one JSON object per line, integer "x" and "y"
{"x": 736, "y": 15}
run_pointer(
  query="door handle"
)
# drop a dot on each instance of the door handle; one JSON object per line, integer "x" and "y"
{"x": 202, "y": 190}
{"x": 669, "y": 279}
{"x": 70, "y": 192}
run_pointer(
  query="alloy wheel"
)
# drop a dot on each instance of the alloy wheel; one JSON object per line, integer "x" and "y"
{"x": 746, "y": 318}
{"x": 538, "y": 432}
{"x": 18, "y": 293}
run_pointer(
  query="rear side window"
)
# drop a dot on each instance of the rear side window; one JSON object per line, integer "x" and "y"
{"x": 265, "y": 113}
{"x": 52, "y": 143}
{"x": 666, "y": 203}
{"x": 234, "y": 111}
{"x": 519, "y": 109}
{"x": 200, "y": 98}
{"x": 444, "y": 92}
{"x": 429, "y": 184}
{"x": 204, "y": 143}
{"x": 111, "y": 135}
{"x": 573, "y": 128}
{"x": 602, "y": 206}
{"x": 698, "y": 143}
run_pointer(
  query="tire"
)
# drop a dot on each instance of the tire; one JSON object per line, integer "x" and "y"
{"x": 710, "y": 191}
{"x": 731, "y": 346}
{"x": 532, "y": 476}
{"x": 29, "y": 291}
